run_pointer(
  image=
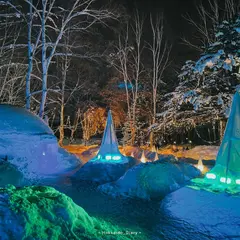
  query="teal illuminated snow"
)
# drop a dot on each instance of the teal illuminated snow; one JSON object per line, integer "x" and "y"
{"x": 227, "y": 168}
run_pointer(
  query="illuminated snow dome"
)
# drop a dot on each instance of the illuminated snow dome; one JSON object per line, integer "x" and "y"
{"x": 151, "y": 180}
{"x": 109, "y": 164}
{"x": 29, "y": 145}
{"x": 227, "y": 168}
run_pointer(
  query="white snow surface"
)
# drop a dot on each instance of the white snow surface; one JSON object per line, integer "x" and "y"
{"x": 206, "y": 214}
{"x": 151, "y": 180}
{"x": 29, "y": 146}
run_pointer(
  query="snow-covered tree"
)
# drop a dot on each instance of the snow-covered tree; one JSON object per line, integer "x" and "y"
{"x": 205, "y": 88}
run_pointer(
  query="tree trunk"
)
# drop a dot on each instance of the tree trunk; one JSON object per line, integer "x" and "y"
{"x": 221, "y": 129}
{"x": 61, "y": 127}
{"x": 30, "y": 59}
{"x": 44, "y": 63}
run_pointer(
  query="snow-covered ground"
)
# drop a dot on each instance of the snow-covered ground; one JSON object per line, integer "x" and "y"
{"x": 200, "y": 215}
{"x": 44, "y": 213}
{"x": 152, "y": 180}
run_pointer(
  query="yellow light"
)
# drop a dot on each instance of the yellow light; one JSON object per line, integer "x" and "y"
{"x": 210, "y": 176}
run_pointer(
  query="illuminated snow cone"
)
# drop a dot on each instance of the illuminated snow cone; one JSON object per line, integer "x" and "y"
{"x": 108, "y": 150}
{"x": 143, "y": 159}
{"x": 227, "y": 167}
{"x": 200, "y": 165}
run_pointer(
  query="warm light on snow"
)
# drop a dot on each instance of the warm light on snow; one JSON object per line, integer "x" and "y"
{"x": 210, "y": 176}
{"x": 143, "y": 158}
{"x": 156, "y": 157}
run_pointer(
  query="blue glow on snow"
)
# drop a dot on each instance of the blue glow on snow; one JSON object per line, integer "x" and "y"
{"x": 116, "y": 157}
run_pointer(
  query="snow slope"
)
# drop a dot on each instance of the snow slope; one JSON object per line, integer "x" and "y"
{"x": 200, "y": 215}
{"x": 44, "y": 213}
{"x": 104, "y": 171}
{"x": 27, "y": 143}
{"x": 152, "y": 180}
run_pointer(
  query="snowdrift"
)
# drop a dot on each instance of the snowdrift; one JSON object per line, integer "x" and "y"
{"x": 102, "y": 172}
{"x": 29, "y": 145}
{"x": 44, "y": 213}
{"x": 152, "y": 180}
{"x": 200, "y": 215}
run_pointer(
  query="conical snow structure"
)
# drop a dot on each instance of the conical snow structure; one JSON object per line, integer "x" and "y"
{"x": 109, "y": 145}
{"x": 200, "y": 165}
{"x": 155, "y": 157}
{"x": 143, "y": 159}
{"x": 227, "y": 167}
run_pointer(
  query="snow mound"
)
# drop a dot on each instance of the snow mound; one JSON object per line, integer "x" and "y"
{"x": 44, "y": 213}
{"x": 27, "y": 143}
{"x": 201, "y": 215}
{"x": 104, "y": 171}
{"x": 152, "y": 180}
{"x": 15, "y": 120}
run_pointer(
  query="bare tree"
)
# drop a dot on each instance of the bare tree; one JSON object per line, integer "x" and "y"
{"x": 50, "y": 23}
{"x": 12, "y": 66}
{"x": 210, "y": 17}
{"x": 160, "y": 51}
{"x": 128, "y": 63}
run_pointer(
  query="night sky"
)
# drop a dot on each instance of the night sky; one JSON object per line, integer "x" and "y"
{"x": 176, "y": 25}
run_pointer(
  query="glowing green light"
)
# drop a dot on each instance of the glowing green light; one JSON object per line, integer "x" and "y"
{"x": 224, "y": 180}
{"x": 116, "y": 157}
{"x": 237, "y": 181}
{"x": 210, "y": 176}
{"x": 108, "y": 157}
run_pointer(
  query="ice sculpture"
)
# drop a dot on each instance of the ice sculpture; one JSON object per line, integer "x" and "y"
{"x": 108, "y": 150}
{"x": 227, "y": 167}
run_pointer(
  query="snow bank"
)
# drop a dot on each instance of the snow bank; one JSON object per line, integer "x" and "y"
{"x": 104, "y": 171}
{"x": 152, "y": 180}
{"x": 44, "y": 213}
{"x": 200, "y": 215}
{"x": 27, "y": 143}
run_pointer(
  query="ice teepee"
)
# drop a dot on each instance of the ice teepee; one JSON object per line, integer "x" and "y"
{"x": 227, "y": 167}
{"x": 109, "y": 145}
